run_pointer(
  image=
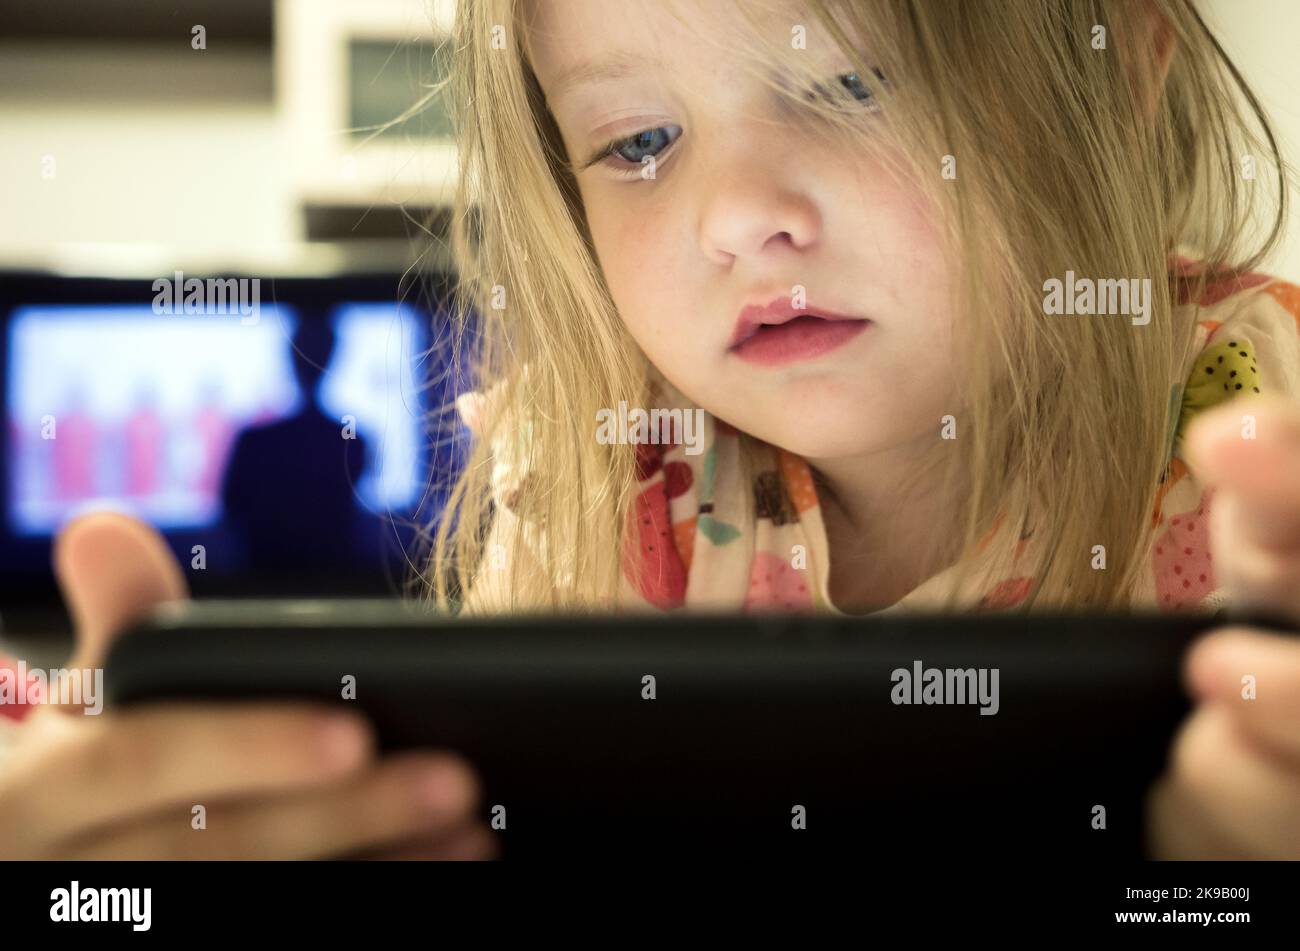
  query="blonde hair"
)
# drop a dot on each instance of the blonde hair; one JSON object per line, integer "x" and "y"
{"x": 1069, "y": 158}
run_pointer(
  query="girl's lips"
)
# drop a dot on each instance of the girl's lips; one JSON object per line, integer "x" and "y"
{"x": 802, "y": 338}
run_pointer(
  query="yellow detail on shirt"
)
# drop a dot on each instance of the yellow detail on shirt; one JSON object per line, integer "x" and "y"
{"x": 1224, "y": 371}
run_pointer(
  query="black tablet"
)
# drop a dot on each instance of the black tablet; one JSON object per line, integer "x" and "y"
{"x": 857, "y": 735}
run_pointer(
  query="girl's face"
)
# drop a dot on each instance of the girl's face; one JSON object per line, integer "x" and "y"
{"x": 738, "y": 210}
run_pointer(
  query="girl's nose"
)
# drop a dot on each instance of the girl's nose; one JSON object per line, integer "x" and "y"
{"x": 752, "y": 209}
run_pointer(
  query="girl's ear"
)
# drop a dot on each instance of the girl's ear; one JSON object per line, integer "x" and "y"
{"x": 1158, "y": 36}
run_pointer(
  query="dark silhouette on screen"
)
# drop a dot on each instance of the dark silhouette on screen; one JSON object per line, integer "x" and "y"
{"x": 289, "y": 488}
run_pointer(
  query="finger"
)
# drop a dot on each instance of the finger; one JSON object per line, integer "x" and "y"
{"x": 475, "y": 843}
{"x": 1255, "y": 677}
{"x": 1242, "y": 802}
{"x": 1249, "y": 455}
{"x": 418, "y": 794}
{"x": 112, "y": 571}
{"x": 140, "y": 760}
{"x": 1251, "y": 452}
{"x": 1178, "y": 828}
{"x": 1256, "y": 575}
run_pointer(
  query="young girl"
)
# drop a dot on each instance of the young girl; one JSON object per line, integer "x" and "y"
{"x": 948, "y": 306}
{"x": 901, "y": 184}
{"x": 950, "y": 284}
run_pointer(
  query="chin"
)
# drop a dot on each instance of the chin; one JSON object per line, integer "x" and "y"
{"x": 816, "y": 418}
{"x": 827, "y": 438}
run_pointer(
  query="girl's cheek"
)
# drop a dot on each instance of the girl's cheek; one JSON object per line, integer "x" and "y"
{"x": 634, "y": 258}
{"x": 904, "y": 224}
{"x": 913, "y": 227}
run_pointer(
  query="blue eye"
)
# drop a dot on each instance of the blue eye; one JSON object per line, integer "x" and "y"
{"x": 635, "y": 148}
{"x": 852, "y": 84}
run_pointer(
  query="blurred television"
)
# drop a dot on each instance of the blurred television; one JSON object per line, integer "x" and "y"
{"x": 301, "y": 452}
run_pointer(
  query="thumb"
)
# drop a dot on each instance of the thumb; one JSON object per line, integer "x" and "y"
{"x": 113, "y": 570}
{"x": 1251, "y": 451}
{"x": 1250, "y": 454}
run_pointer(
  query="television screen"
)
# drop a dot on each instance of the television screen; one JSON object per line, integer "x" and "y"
{"x": 114, "y": 406}
{"x": 290, "y": 452}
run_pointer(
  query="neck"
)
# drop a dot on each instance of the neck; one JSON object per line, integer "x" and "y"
{"x": 889, "y": 524}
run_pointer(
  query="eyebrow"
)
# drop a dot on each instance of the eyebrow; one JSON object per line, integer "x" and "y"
{"x": 617, "y": 65}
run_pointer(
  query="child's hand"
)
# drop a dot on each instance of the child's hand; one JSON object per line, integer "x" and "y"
{"x": 1233, "y": 786}
{"x": 273, "y": 782}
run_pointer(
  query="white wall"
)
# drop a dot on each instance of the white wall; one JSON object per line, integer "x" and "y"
{"x": 1261, "y": 38}
{"x": 154, "y": 153}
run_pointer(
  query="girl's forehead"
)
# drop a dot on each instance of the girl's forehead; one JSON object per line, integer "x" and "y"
{"x": 573, "y": 29}
{"x": 571, "y": 41}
